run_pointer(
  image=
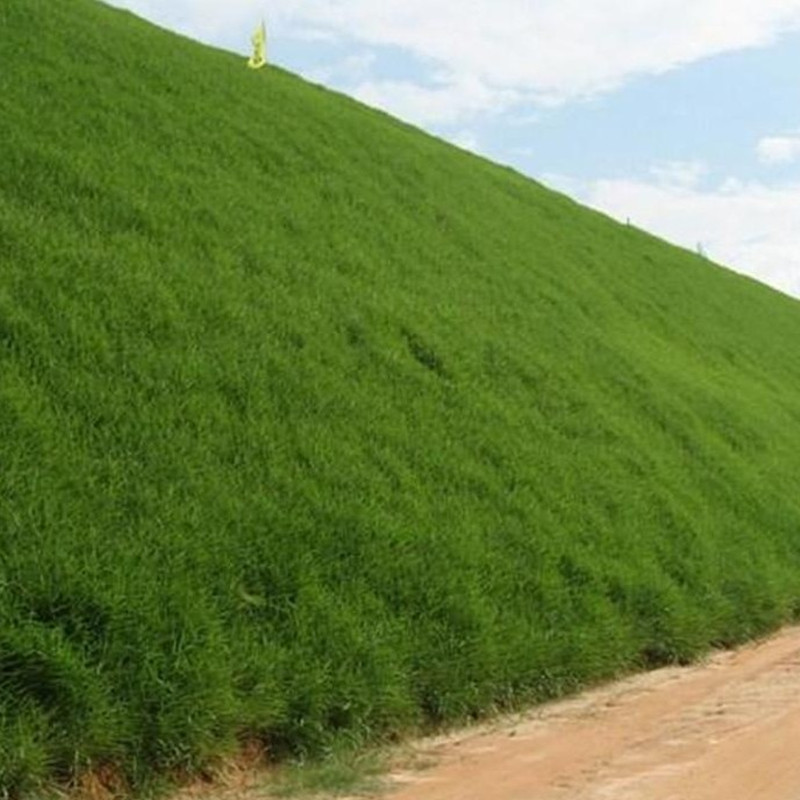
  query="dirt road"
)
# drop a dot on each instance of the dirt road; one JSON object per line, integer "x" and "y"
{"x": 726, "y": 729}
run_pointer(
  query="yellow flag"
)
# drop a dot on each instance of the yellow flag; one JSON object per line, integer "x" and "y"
{"x": 259, "y": 40}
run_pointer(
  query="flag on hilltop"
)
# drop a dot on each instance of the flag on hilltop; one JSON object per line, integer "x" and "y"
{"x": 259, "y": 40}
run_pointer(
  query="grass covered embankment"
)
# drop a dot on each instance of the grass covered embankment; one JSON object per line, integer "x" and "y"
{"x": 316, "y": 429}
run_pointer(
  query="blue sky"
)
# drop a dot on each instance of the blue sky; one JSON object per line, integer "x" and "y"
{"x": 682, "y": 116}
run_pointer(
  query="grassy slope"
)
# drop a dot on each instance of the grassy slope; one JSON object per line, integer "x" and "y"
{"x": 314, "y": 428}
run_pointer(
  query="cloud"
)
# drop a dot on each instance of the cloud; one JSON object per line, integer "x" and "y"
{"x": 779, "y": 149}
{"x": 449, "y": 100}
{"x": 556, "y": 48}
{"x": 680, "y": 174}
{"x": 353, "y": 68}
{"x": 551, "y": 51}
{"x": 752, "y": 227}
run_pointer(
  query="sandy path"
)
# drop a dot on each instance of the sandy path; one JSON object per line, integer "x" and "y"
{"x": 726, "y": 729}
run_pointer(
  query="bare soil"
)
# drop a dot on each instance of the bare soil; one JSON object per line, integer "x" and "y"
{"x": 724, "y": 729}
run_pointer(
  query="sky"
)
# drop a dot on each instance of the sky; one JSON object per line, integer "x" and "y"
{"x": 682, "y": 116}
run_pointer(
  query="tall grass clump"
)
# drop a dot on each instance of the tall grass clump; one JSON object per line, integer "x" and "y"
{"x": 315, "y": 430}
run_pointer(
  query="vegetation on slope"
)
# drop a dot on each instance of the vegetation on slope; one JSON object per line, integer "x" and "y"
{"x": 314, "y": 428}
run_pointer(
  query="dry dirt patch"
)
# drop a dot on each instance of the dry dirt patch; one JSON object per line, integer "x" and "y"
{"x": 725, "y": 729}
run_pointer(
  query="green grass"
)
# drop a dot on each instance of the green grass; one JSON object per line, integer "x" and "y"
{"x": 315, "y": 431}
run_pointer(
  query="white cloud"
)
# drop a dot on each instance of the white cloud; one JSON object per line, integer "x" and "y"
{"x": 552, "y": 50}
{"x": 751, "y": 227}
{"x": 779, "y": 149}
{"x": 562, "y": 48}
{"x": 353, "y": 68}
{"x": 450, "y": 100}
{"x": 680, "y": 174}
